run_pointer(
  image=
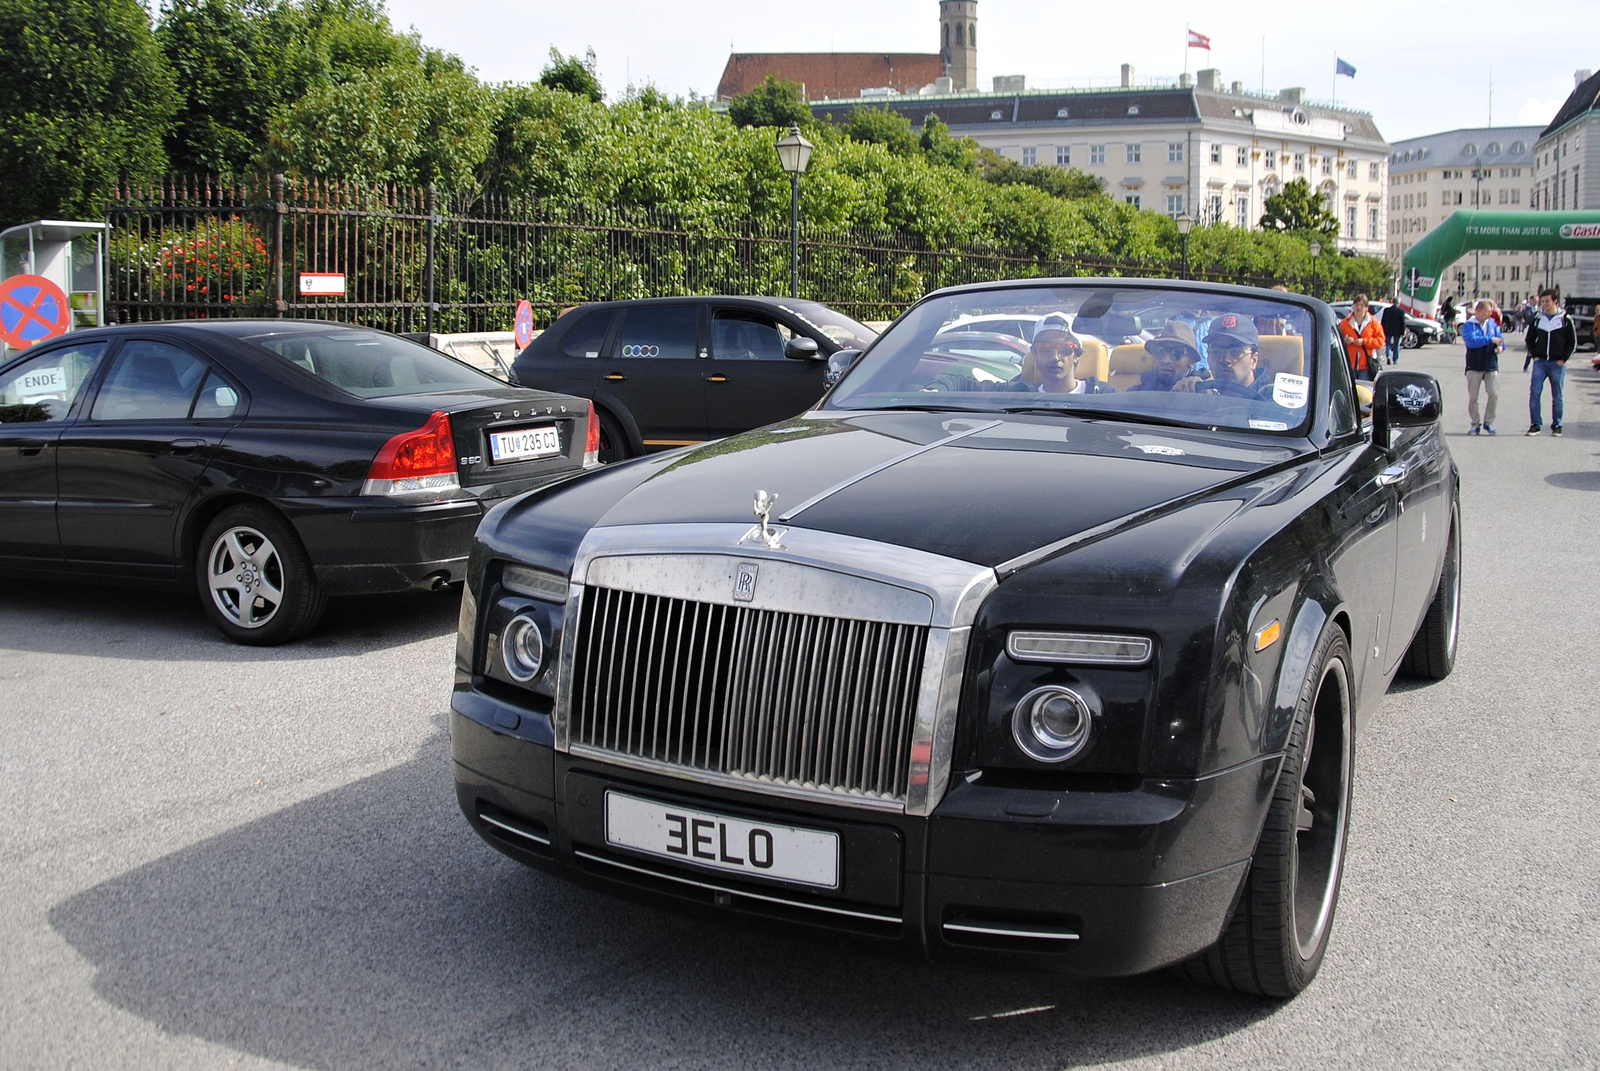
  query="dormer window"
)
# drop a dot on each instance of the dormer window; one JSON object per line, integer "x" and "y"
{"x": 1061, "y": 113}
{"x": 996, "y": 115}
{"x": 1494, "y": 148}
{"x": 1518, "y": 147}
{"x": 1471, "y": 149}
{"x": 1133, "y": 109}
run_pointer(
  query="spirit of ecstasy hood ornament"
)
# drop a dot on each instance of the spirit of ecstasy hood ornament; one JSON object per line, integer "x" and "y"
{"x": 764, "y": 531}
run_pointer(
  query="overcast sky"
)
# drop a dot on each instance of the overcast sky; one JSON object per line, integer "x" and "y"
{"x": 1421, "y": 67}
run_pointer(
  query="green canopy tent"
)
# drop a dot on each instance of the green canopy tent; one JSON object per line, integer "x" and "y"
{"x": 1463, "y": 232}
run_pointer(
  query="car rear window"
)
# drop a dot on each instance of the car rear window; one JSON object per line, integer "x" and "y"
{"x": 584, "y": 338}
{"x": 371, "y": 364}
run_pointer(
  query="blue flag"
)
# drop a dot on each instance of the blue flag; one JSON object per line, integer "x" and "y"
{"x": 1341, "y": 67}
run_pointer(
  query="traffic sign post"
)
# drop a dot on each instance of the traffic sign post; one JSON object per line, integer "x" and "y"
{"x": 522, "y": 332}
{"x": 32, "y": 309}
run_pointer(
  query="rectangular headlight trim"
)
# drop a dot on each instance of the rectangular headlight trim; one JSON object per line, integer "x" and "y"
{"x": 535, "y": 583}
{"x": 1079, "y": 648}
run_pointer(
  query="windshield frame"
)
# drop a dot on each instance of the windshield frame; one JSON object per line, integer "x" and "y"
{"x": 1312, "y": 316}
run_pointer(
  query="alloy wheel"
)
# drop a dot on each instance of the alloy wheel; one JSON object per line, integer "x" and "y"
{"x": 245, "y": 574}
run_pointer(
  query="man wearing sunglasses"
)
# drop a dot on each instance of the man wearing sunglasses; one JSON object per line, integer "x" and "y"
{"x": 1235, "y": 355}
{"x": 1175, "y": 355}
{"x": 1049, "y": 368}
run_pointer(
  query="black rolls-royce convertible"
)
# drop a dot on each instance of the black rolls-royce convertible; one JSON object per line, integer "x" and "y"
{"x": 1062, "y": 670}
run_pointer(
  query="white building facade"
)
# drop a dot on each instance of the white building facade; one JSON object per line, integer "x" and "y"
{"x": 1566, "y": 173}
{"x": 1213, "y": 152}
{"x": 1488, "y": 168}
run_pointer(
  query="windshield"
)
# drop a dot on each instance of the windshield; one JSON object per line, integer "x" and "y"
{"x": 371, "y": 364}
{"x": 1146, "y": 354}
{"x": 843, "y": 331}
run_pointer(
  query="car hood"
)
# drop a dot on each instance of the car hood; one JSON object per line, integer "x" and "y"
{"x": 983, "y": 488}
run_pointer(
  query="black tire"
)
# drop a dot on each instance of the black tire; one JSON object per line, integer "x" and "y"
{"x": 265, "y": 590}
{"x": 614, "y": 444}
{"x": 1432, "y": 654}
{"x": 1411, "y": 340}
{"x": 1275, "y": 941}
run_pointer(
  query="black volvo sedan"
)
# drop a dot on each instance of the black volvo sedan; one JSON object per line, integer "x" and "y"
{"x": 269, "y": 464}
{"x": 1047, "y": 670}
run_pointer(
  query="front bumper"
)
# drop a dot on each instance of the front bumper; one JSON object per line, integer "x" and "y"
{"x": 1099, "y": 883}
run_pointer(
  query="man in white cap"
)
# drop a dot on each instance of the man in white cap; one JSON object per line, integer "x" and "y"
{"x": 1049, "y": 368}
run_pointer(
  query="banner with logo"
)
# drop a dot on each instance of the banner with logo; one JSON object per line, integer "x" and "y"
{"x": 1463, "y": 232}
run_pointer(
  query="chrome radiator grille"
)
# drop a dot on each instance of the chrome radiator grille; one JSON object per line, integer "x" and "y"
{"x": 820, "y": 703}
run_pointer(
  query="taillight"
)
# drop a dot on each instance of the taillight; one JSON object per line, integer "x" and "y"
{"x": 421, "y": 460}
{"x": 591, "y": 442}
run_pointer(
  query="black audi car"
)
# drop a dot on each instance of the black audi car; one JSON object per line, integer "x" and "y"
{"x": 269, "y": 464}
{"x": 666, "y": 372}
{"x": 1030, "y": 671}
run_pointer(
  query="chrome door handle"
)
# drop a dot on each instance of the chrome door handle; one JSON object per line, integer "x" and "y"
{"x": 31, "y": 451}
{"x": 1391, "y": 475}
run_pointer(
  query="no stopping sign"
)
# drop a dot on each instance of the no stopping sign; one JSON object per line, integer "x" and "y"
{"x": 32, "y": 309}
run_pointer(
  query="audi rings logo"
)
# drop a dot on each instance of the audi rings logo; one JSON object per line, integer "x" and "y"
{"x": 641, "y": 351}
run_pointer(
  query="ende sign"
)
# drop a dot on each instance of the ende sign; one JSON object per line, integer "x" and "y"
{"x": 39, "y": 383}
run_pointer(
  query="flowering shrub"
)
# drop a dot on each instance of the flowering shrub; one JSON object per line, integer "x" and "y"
{"x": 214, "y": 261}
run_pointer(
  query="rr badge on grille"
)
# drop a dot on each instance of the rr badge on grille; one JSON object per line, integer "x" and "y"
{"x": 744, "y": 582}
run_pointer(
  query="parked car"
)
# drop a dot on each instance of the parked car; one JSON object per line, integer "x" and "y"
{"x": 1019, "y": 325}
{"x": 267, "y": 464}
{"x": 1420, "y": 330}
{"x": 1068, "y": 681}
{"x": 667, "y": 372}
{"x": 1582, "y": 310}
{"x": 490, "y": 352}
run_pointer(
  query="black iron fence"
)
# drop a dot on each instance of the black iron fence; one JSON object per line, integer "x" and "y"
{"x": 416, "y": 259}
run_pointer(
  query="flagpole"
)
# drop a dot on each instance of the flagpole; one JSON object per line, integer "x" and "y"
{"x": 1186, "y": 50}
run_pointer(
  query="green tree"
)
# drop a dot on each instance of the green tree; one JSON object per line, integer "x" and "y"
{"x": 215, "y": 51}
{"x": 775, "y": 102}
{"x": 1295, "y": 208}
{"x": 882, "y": 126}
{"x": 943, "y": 150}
{"x": 88, "y": 99}
{"x": 576, "y": 76}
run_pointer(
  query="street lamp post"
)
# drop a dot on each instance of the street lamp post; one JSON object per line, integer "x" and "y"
{"x": 1185, "y": 225}
{"x": 1316, "y": 251}
{"x": 794, "y": 154}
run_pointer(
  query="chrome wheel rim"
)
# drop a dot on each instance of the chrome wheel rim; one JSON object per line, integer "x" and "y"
{"x": 245, "y": 575}
{"x": 1323, "y": 790}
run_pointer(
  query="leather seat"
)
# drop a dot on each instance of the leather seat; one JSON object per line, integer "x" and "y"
{"x": 1128, "y": 362}
{"x": 1283, "y": 353}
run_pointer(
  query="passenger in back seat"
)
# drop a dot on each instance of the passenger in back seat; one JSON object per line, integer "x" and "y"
{"x": 1175, "y": 355}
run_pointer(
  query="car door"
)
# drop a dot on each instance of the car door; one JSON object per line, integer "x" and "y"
{"x": 654, "y": 371}
{"x": 750, "y": 383}
{"x": 1367, "y": 504}
{"x": 1422, "y": 526}
{"x": 37, "y": 399}
{"x": 127, "y": 468}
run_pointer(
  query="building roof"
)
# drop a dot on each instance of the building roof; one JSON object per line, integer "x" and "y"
{"x": 1474, "y": 145}
{"x": 972, "y": 113}
{"x": 831, "y": 75}
{"x": 1584, "y": 99}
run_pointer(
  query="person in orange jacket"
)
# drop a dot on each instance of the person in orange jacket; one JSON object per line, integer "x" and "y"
{"x": 1363, "y": 338}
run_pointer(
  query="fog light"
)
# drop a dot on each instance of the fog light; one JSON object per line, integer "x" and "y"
{"x": 1051, "y": 724}
{"x": 522, "y": 649}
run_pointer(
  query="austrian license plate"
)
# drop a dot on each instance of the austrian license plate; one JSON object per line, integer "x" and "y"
{"x": 524, "y": 443}
{"x": 718, "y": 842}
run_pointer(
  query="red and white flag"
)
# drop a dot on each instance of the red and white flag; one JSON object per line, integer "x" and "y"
{"x": 1199, "y": 40}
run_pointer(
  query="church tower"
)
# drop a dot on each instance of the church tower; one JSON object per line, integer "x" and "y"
{"x": 958, "y": 42}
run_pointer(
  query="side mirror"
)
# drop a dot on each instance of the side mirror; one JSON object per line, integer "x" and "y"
{"x": 840, "y": 363}
{"x": 800, "y": 348}
{"x": 1403, "y": 400}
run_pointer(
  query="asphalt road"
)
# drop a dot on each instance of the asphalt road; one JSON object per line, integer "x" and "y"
{"x": 216, "y": 857}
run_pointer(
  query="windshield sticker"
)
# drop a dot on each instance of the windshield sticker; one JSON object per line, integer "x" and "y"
{"x": 1162, "y": 451}
{"x": 1270, "y": 425}
{"x": 1291, "y": 391}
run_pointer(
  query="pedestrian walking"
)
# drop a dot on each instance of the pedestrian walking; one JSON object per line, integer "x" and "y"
{"x": 1551, "y": 340}
{"x": 1393, "y": 322}
{"x": 1447, "y": 316}
{"x": 1363, "y": 338}
{"x": 1484, "y": 344}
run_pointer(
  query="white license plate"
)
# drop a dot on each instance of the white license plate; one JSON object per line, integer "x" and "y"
{"x": 718, "y": 842}
{"x": 523, "y": 444}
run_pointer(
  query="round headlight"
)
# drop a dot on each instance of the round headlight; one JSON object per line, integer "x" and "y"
{"x": 1051, "y": 724}
{"x": 522, "y": 648}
